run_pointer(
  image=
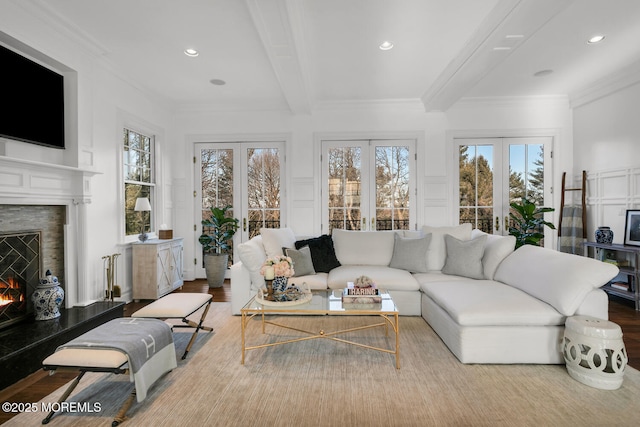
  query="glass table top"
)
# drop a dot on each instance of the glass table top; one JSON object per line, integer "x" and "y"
{"x": 325, "y": 302}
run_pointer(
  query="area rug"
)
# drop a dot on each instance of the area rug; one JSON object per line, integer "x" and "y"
{"x": 326, "y": 383}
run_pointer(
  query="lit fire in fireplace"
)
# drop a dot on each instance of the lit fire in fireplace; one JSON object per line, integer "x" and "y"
{"x": 10, "y": 292}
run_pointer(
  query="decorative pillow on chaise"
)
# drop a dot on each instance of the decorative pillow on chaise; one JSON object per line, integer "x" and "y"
{"x": 464, "y": 257}
{"x": 323, "y": 254}
{"x": 302, "y": 262}
{"x": 252, "y": 255}
{"x": 496, "y": 249}
{"x": 274, "y": 239}
{"x": 437, "y": 253}
{"x": 410, "y": 253}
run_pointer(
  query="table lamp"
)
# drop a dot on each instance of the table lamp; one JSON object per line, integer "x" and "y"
{"x": 142, "y": 205}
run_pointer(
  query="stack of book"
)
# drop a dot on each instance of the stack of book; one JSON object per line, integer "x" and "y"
{"x": 623, "y": 286}
{"x": 361, "y": 296}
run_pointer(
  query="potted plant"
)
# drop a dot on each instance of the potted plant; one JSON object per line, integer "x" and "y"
{"x": 216, "y": 243}
{"x": 527, "y": 222}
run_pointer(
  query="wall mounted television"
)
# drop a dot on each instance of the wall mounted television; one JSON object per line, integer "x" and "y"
{"x": 31, "y": 101}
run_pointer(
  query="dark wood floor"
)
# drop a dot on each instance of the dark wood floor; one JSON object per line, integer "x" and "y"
{"x": 39, "y": 384}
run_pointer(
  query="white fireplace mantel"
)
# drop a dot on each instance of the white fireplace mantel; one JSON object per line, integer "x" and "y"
{"x": 25, "y": 182}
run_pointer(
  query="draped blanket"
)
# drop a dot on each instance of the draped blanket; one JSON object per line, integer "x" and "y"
{"x": 147, "y": 343}
{"x": 571, "y": 234}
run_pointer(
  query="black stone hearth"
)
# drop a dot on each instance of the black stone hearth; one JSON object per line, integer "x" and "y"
{"x": 24, "y": 346}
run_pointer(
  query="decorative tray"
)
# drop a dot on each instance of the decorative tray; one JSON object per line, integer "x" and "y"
{"x": 296, "y": 296}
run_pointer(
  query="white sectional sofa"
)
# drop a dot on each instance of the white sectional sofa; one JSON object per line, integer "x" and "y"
{"x": 487, "y": 302}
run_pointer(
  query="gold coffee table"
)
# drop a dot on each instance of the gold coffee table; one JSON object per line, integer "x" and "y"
{"x": 325, "y": 303}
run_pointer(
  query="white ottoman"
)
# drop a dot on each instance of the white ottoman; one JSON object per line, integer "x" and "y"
{"x": 594, "y": 352}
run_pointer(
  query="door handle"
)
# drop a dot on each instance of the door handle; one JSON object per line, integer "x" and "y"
{"x": 244, "y": 224}
{"x": 497, "y": 223}
{"x": 373, "y": 223}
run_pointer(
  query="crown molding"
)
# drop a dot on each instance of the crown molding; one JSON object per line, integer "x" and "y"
{"x": 43, "y": 11}
{"x": 608, "y": 85}
{"x": 370, "y": 105}
{"x": 561, "y": 101}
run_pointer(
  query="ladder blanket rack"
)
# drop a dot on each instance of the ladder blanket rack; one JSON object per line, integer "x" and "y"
{"x": 572, "y": 231}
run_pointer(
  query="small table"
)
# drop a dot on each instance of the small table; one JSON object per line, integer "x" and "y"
{"x": 594, "y": 352}
{"x": 326, "y": 303}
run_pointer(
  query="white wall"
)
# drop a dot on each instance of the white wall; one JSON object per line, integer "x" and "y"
{"x": 96, "y": 138}
{"x": 550, "y": 117}
{"x": 607, "y": 146}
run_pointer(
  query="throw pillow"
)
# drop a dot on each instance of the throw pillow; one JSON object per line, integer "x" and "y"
{"x": 302, "y": 263}
{"x": 252, "y": 255}
{"x": 410, "y": 253}
{"x": 464, "y": 257}
{"x": 323, "y": 254}
{"x": 274, "y": 239}
{"x": 437, "y": 253}
{"x": 496, "y": 249}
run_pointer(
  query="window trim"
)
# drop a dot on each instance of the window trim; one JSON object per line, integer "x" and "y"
{"x": 133, "y": 123}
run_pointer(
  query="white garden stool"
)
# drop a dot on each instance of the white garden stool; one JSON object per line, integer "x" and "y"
{"x": 594, "y": 352}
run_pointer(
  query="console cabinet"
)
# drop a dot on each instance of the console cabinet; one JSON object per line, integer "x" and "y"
{"x": 627, "y": 258}
{"x": 157, "y": 268}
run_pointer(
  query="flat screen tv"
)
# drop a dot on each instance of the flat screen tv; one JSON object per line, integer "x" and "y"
{"x": 31, "y": 101}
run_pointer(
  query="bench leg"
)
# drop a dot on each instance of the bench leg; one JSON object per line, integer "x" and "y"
{"x": 198, "y": 326}
{"x": 66, "y": 394}
{"x": 121, "y": 416}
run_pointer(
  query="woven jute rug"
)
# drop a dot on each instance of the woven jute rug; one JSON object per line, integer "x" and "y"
{"x": 326, "y": 383}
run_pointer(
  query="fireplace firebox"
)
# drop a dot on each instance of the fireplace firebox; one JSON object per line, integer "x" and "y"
{"x": 19, "y": 275}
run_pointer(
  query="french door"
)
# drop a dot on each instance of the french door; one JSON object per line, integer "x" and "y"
{"x": 245, "y": 175}
{"x": 493, "y": 172}
{"x": 368, "y": 185}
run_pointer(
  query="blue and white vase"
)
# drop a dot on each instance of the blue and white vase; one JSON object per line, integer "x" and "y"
{"x": 279, "y": 284}
{"x": 604, "y": 235}
{"x": 47, "y": 298}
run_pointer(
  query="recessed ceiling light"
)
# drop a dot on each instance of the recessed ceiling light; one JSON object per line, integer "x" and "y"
{"x": 217, "y": 82}
{"x": 191, "y": 52}
{"x": 542, "y": 73}
{"x": 386, "y": 45}
{"x": 596, "y": 39}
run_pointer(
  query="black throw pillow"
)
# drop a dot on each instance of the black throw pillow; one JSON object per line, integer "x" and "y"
{"x": 323, "y": 255}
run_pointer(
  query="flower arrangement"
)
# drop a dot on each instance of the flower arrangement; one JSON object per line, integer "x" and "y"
{"x": 277, "y": 266}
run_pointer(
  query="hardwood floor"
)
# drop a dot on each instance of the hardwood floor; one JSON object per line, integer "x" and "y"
{"x": 40, "y": 384}
{"x": 624, "y": 314}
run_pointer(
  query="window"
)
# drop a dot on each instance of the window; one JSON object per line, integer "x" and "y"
{"x": 139, "y": 180}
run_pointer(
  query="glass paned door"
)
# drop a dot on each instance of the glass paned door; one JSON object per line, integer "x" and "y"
{"x": 476, "y": 189}
{"x": 344, "y": 187}
{"x": 263, "y": 189}
{"x": 368, "y": 184}
{"x": 245, "y": 175}
{"x": 494, "y": 172}
{"x": 393, "y": 187}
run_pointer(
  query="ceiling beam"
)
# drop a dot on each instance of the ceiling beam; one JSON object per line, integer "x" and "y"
{"x": 505, "y": 29}
{"x": 278, "y": 23}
